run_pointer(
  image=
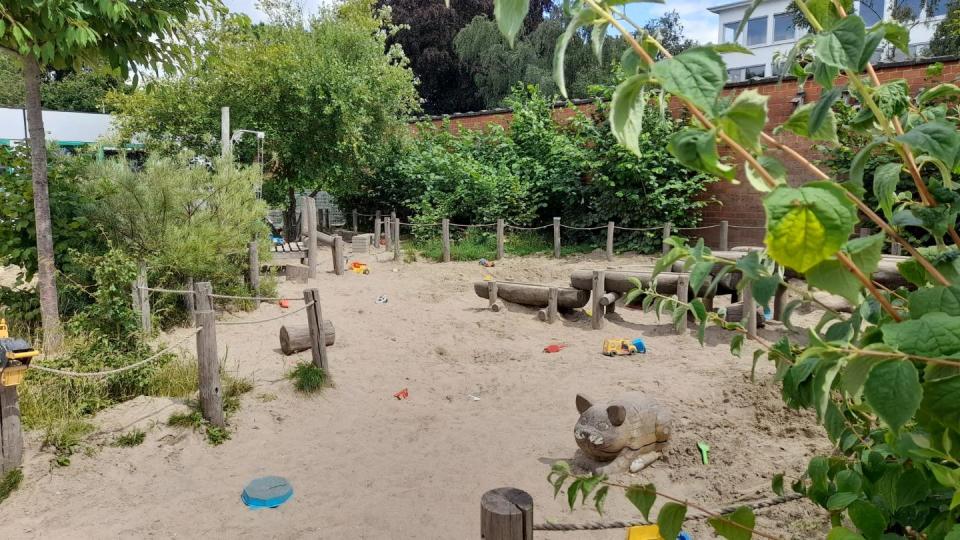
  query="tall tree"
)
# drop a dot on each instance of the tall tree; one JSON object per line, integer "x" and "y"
{"x": 668, "y": 30}
{"x": 946, "y": 38}
{"x": 57, "y": 34}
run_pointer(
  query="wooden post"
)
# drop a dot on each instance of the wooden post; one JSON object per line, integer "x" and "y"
{"x": 495, "y": 304}
{"x": 610, "y": 226}
{"x": 666, "y": 234}
{"x": 310, "y": 221}
{"x": 326, "y": 218}
{"x": 445, "y": 238}
{"x": 376, "y": 230}
{"x": 895, "y": 248}
{"x": 779, "y": 302}
{"x": 11, "y": 431}
{"x": 225, "y": 132}
{"x": 211, "y": 400}
{"x": 506, "y": 514}
{"x": 552, "y": 304}
{"x": 388, "y": 231}
{"x": 189, "y": 300}
{"x": 254, "y": 270}
{"x": 500, "y": 228}
{"x": 724, "y": 235}
{"x": 864, "y": 232}
{"x": 396, "y": 240}
{"x": 683, "y": 295}
{"x": 596, "y": 313}
{"x": 338, "y": 249}
{"x": 318, "y": 345}
{"x": 556, "y": 238}
{"x": 356, "y": 227}
{"x": 146, "y": 323}
{"x": 749, "y": 311}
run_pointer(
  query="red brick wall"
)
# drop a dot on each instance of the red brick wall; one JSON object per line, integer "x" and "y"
{"x": 739, "y": 204}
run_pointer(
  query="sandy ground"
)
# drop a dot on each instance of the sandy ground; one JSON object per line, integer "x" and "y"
{"x": 366, "y": 465}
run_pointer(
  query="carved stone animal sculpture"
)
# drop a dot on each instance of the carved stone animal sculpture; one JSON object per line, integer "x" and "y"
{"x": 613, "y": 435}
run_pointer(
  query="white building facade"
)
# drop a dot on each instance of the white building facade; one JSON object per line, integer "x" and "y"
{"x": 770, "y": 30}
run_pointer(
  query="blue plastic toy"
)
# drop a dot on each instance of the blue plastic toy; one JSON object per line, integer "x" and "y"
{"x": 767, "y": 313}
{"x": 267, "y": 492}
{"x": 641, "y": 347}
{"x": 684, "y": 536}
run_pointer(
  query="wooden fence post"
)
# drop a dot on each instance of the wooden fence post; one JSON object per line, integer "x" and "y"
{"x": 11, "y": 430}
{"x": 396, "y": 239}
{"x": 666, "y": 234}
{"x": 492, "y": 297}
{"x": 388, "y": 231}
{"x": 895, "y": 248}
{"x": 683, "y": 295}
{"x": 355, "y": 225}
{"x": 338, "y": 249}
{"x": 254, "y": 270}
{"x": 724, "y": 235}
{"x": 610, "y": 227}
{"x": 376, "y": 230}
{"x": 500, "y": 228}
{"x": 552, "y": 300}
{"x": 445, "y": 239}
{"x": 864, "y": 232}
{"x": 146, "y": 322}
{"x": 596, "y": 310}
{"x": 556, "y": 238}
{"x": 189, "y": 301}
{"x": 211, "y": 400}
{"x": 506, "y": 514}
{"x": 310, "y": 221}
{"x": 749, "y": 312}
{"x": 318, "y": 345}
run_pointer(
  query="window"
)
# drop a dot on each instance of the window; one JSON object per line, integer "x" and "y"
{"x": 919, "y": 50}
{"x": 757, "y": 31}
{"x": 872, "y": 11}
{"x": 938, "y": 8}
{"x": 735, "y": 75}
{"x": 755, "y": 72}
{"x": 783, "y": 28}
{"x": 729, "y": 31}
{"x": 906, "y": 9}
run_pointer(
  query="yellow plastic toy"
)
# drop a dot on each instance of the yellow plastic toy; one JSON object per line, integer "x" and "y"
{"x": 644, "y": 532}
{"x": 15, "y": 356}
{"x": 618, "y": 347}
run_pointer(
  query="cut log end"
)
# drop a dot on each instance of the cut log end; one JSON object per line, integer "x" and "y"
{"x": 294, "y": 339}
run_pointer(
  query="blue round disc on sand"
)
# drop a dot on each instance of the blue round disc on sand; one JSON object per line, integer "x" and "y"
{"x": 267, "y": 492}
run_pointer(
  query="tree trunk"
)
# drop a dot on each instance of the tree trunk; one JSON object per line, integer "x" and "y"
{"x": 47, "y": 270}
{"x": 291, "y": 232}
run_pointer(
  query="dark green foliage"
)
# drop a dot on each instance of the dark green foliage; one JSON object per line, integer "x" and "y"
{"x": 308, "y": 378}
{"x": 130, "y": 439}
{"x": 9, "y": 483}
{"x": 946, "y": 38}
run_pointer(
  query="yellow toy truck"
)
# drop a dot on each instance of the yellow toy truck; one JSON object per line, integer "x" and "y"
{"x": 618, "y": 347}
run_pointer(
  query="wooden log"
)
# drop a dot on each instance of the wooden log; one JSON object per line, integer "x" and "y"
{"x": 388, "y": 232}
{"x": 683, "y": 290}
{"x": 254, "y": 269}
{"x": 310, "y": 212}
{"x": 610, "y": 229}
{"x": 734, "y": 313}
{"x": 396, "y": 240}
{"x": 556, "y": 238}
{"x": 596, "y": 314}
{"x": 618, "y": 281}
{"x": 493, "y": 295}
{"x": 11, "y": 430}
{"x": 445, "y": 239}
{"x": 296, "y": 273}
{"x": 724, "y": 235}
{"x": 146, "y": 320}
{"x": 666, "y": 234}
{"x": 355, "y": 227}
{"x": 506, "y": 514}
{"x": 324, "y": 239}
{"x": 339, "y": 255}
{"x": 500, "y": 228}
{"x": 552, "y": 309}
{"x": 318, "y": 346}
{"x": 211, "y": 400}
{"x": 750, "y": 312}
{"x": 779, "y": 302}
{"x": 294, "y": 339}
{"x": 610, "y": 298}
{"x": 189, "y": 301}
{"x": 533, "y": 295}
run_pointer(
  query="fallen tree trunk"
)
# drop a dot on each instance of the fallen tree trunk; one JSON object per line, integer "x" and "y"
{"x": 294, "y": 339}
{"x": 534, "y": 295}
{"x": 619, "y": 281}
{"x": 734, "y": 314}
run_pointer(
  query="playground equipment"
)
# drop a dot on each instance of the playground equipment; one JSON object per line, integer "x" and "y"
{"x": 613, "y": 435}
{"x": 15, "y": 356}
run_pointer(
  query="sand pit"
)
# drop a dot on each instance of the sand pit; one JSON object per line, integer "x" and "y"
{"x": 366, "y": 465}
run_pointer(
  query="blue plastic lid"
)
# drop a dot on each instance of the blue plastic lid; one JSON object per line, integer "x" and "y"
{"x": 267, "y": 492}
{"x": 641, "y": 347}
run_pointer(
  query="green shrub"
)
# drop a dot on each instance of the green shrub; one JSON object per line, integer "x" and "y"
{"x": 308, "y": 378}
{"x": 10, "y": 483}
{"x": 130, "y": 439}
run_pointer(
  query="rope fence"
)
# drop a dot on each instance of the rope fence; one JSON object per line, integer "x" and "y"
{"x": 135, "y": 365}
{"x": 261, "y": 321}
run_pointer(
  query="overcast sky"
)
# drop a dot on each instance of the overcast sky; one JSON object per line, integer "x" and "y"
{"x": 698, "y": 23}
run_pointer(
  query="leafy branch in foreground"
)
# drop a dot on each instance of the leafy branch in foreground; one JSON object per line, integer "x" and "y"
{"x": 885, "y": 381}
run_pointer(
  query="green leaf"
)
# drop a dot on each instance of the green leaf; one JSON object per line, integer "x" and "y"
{"x": 893, "y": 391}
{"x": 582, "y": 17}
{"x": 885, "y": 180}
{"x": 855, "y": 374}
{"x": 935, "y": 299}
{"x": 860, "y": 161}
{"x": 822, "y": 108}
{"x": 870, "y": 43}
{"x": 745, "y": 118}
{"x": 670, "y": 519}
{"x": 807, "y": 224}
{"x": 940, "y": 91}
{"x": 841, "y": 46}
{"x": 823, "y": 379}
{"x": 587, "y": 485}
{"x": 742, "y": 516}
{"x": 773, "y": 166}
{"x": 697, "y": 74}
{"x": 643, "y": 498}
{"x": 839, "y": 501}
{"x": 933, "y": 334}
{"x": 600, "y": 498}
{"x": 895, "y": 33}
{"x": 841, "y": 533}
{"x": 799, "y": 123}
{"x": 764, "y": 289}
{"x": 572, "y": 490}
{"x": 824, "y": 74}
{"x": 736, "y": 344}
{"x": 868, "y": 518}
{"x": 938, "y": 138}
{"x": 825, "y": 12}
{"x": 699, "y": 273}
{"x": 597, "y": 37}
{"x": 699, "y": 310}
{"x": 832, "y": 276}
{"x": 788, "y": 312}
{"x": 631, "y": 63}
{"x": 697, "y": 149}
{"x": 729, "y": 47}
{"x": 777, "y": 484}
{"x": 941, "y": 400}
{"x": 626, "y": 111}
{"x": 911, "y": 487}
{"x": 849, "y": 480}
{"x": 510, "y": 15}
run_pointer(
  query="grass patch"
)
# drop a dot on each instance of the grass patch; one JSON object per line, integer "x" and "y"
{"x": 65, "y": 436}
{"x": 130, "y": 439}
{"x": 233, "y": 388}
{"x": 177, "y": 378}
{"x": 483, "y": 245}
{"x": 308, "y": 378}
{"x": 10, "y": 483}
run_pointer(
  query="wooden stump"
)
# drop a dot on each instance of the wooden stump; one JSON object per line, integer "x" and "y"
{"x": 310, "y": 213}
{"x": 506, "y": 514}
{"x": 294, "y": 339}
{"x": 492, "y": 296}
{"x": 596, "y": 315}
{"x": 315, "y": 323}
{"x": 211, "y": 400}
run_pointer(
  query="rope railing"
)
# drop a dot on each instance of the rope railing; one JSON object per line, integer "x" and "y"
{"x": 260, "y": 321}
{"x": 472, "y": 225}
{"x": 256, "y": 298}
{"x": 597, "y": 228}
{"x": 135, "y": 365}
{"x": 619, "y": 228}
{"x": 699, "y": 228}
{"x": 407, "y": 224}
{"x": 519, "y": 228}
